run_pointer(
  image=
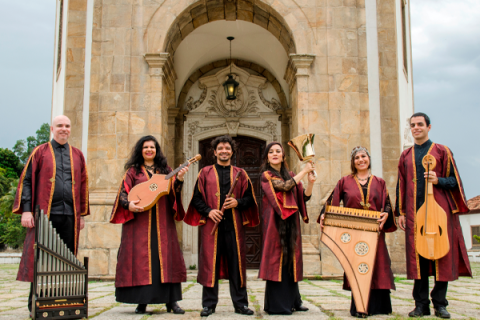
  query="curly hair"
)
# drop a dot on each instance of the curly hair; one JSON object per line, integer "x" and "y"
{"x": 136, "y": 156}
{"x": 224, "y": 139}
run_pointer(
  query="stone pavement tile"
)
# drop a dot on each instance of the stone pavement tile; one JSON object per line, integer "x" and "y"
{"x": 118, "y": 313}
{"x": 102, "y": 289}
{"x": 191, "y": 304}
{"x": 110, "y": 299}
{"x": 14, "y": 303}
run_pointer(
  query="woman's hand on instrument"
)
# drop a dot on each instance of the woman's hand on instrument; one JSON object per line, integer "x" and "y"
{"x": 321, "y": 221}
{"x": 383, "y": 219}
{"x": 215, "y": 215}
{"x": 309, "y": 167}
{"x": 182, "y": 172}
{"x": 230, "y": 203}
{"x": 27, "y": 220}
{"x": 133, "y": 207}
{"x": 432, "y": 176}
{"x": 311, "y": 177}
{"x": 401, "y": 222}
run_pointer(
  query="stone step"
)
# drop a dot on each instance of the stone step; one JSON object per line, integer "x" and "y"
{"x": 10, "y": 258}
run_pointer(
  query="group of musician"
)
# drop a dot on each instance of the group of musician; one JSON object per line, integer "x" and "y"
{"x": 150, "y": 265}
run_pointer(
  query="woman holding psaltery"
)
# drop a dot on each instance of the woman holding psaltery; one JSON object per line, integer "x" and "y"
{"x": 362, "y": 190}
{"x": 283, "y": 204}
{"x": 150, "y": 266}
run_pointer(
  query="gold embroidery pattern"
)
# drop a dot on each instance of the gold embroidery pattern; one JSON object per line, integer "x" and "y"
{"x": 159, "y": 245}
{"x": 53, "y": 177}
{"x": 273, "y": 190}
{"x": 22, "y": 177}
{"x": 236, "y": 234}
{"x": 366, "y": 205}
{"x": 458, "y": 180}
{"x": 87, "y": 204}
{"x": 73, "y": 196}
{"x": 149, "y": 235}
{"x": 216, "y": 232}
{"x": 115, "y": 206}
{"x": 280, "y": 269}
{"x": 285, "y": 202}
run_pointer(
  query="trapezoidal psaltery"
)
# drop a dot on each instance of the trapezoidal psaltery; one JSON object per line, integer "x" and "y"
{"x": 150, "y": 191}
{"x": 352, "y": 236}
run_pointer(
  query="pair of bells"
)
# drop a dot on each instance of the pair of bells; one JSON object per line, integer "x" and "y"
{"x": 303, "y": 147}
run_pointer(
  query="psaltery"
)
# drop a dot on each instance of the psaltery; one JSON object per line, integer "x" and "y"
{"x": 352, "y": 236}
{"x": 431, "y": 231}
{"x": 150, "y": 191}
{"x": 229, "y": 194}
{"x": 60, "y": 280}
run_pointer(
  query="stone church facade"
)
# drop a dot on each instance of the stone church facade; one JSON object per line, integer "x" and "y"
{"x": 127, "y": 68}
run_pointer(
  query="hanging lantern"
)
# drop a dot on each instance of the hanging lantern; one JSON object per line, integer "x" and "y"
{"x": 231, "y": 86}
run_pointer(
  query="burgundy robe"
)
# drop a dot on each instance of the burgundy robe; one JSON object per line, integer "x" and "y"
{"x": 350, "y": 191}
{"x": 134, "y": 265}
{"x": 43, "y": 187}
{"x": 455, "y": 263}
{"x": 209, "y": 187}
{"x": 284, "y": 204}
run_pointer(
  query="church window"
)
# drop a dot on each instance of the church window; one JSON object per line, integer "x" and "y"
{"x": 404, "y": 34}
{"x": 475, "y": 232}
{"x": 60, "y": 36}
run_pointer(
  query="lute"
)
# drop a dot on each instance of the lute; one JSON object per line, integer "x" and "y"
{"x": 431, "y": 234}
{"x": 150, "y": 191}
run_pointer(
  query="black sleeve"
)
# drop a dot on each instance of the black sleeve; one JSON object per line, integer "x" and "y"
{"x": 178, "y": 185}
{"x": 448, "y": 182}
{"x": 247, "y": 200}
{"x": 198, "y": 203}
{"x": 283, "y": 186}
{"x": 123, "y": 198}
{"x": 305, "y": 197}
{"x": 390, "y": 220}
{"x": 27, "y": 190}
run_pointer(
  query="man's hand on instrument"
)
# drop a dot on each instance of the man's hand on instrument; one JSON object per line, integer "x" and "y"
{"x": 133, "y": 207}
{"x": 82, "y": 223}
{"x": 432, "y": 176}
{"x": 230, "y": 203}
{"x": 383, "y": 219}
{"x": 401, "y": 222}
{"x": 27, "y": 220}
{"x": 215, "y": 215}
{"x": 321, "y": 221}
{"x": 182, "y": 172}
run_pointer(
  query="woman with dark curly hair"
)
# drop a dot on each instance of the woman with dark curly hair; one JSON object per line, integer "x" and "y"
{"x": 282, "y": 205}
{"x": 362, "y": 190}
{"x": 150, "y": 266}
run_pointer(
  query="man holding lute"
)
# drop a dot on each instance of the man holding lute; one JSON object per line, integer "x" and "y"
{"x": 430, "y": 197}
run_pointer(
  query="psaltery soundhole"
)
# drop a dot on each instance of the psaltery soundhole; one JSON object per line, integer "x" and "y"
{"x": 363, "y": 268}
{"x": 345, "y": 237}
{"x": 153, "y": 187}
{"x": 361, "y": 248}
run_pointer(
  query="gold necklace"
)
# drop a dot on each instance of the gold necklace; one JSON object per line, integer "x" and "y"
{"x": 150, "y": 168}
{"x": 365, "y": 179}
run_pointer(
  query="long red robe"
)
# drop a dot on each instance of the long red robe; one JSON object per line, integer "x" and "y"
{"x": 455, "y": 263}
{"x": 209, "y": 187}
{"x": 134, "y": 265}
{"x": 283, "y": 204}
{"x": 349, "y": 189}
{"x": 43, "y": 187}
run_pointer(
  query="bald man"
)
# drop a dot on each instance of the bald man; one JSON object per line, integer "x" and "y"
{"x": 54, "y": 178}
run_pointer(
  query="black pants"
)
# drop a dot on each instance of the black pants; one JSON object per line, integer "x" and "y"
{"x": 420, "y": 287}
{"x": 226, "y": 247}
{"x": 65, "y": 227}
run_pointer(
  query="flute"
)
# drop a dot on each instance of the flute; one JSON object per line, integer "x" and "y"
{"x": 229, "y": 194}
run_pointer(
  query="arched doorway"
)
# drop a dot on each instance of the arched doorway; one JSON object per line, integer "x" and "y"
{"x": 248, "y": 157}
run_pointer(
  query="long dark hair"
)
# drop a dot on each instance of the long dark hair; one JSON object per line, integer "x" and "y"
{"x": 287, "y": 229}
{"x": 284, "y": 174}
{"x": 136, "y": 156}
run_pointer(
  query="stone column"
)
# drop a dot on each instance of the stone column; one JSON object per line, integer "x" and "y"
{"x": 162, "y": 78}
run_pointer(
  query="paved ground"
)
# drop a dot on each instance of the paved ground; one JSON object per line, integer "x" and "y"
{"x": 325, "y": 299}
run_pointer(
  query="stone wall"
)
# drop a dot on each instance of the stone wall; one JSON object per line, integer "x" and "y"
{"x": 132, "y": 94}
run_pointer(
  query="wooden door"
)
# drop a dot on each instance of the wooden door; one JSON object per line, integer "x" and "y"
{"x": 248, "y": 157}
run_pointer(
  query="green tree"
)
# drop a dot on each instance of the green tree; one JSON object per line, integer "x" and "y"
{"x": 476, "y": 237}
{"x": 11, "y": 231}
{"x": 23, "y": 148}
{"x": 11, "y": 163}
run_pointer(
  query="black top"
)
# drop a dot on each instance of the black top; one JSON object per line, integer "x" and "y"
{"x": 444, "y": 183}
{"x": 62, "y": 201}
{"x": 224, "y": 182}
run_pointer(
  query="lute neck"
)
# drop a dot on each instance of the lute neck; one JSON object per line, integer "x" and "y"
{"x": 174, "y": 172}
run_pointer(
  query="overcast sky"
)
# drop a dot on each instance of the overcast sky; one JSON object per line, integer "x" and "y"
{"x": 446, "y": 70}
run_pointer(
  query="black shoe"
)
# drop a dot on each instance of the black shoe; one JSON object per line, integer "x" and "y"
{"x": 442, "y": 312}
{"x": 360, "y": 315}
{"x": 300, "y": 308}
{"x": 244, "y": 310}
{"x": 175, "y": 307}
{"x": 141, "y": 309}
{"x": 207, "y": 311}
{"x": 419, "y": 312}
